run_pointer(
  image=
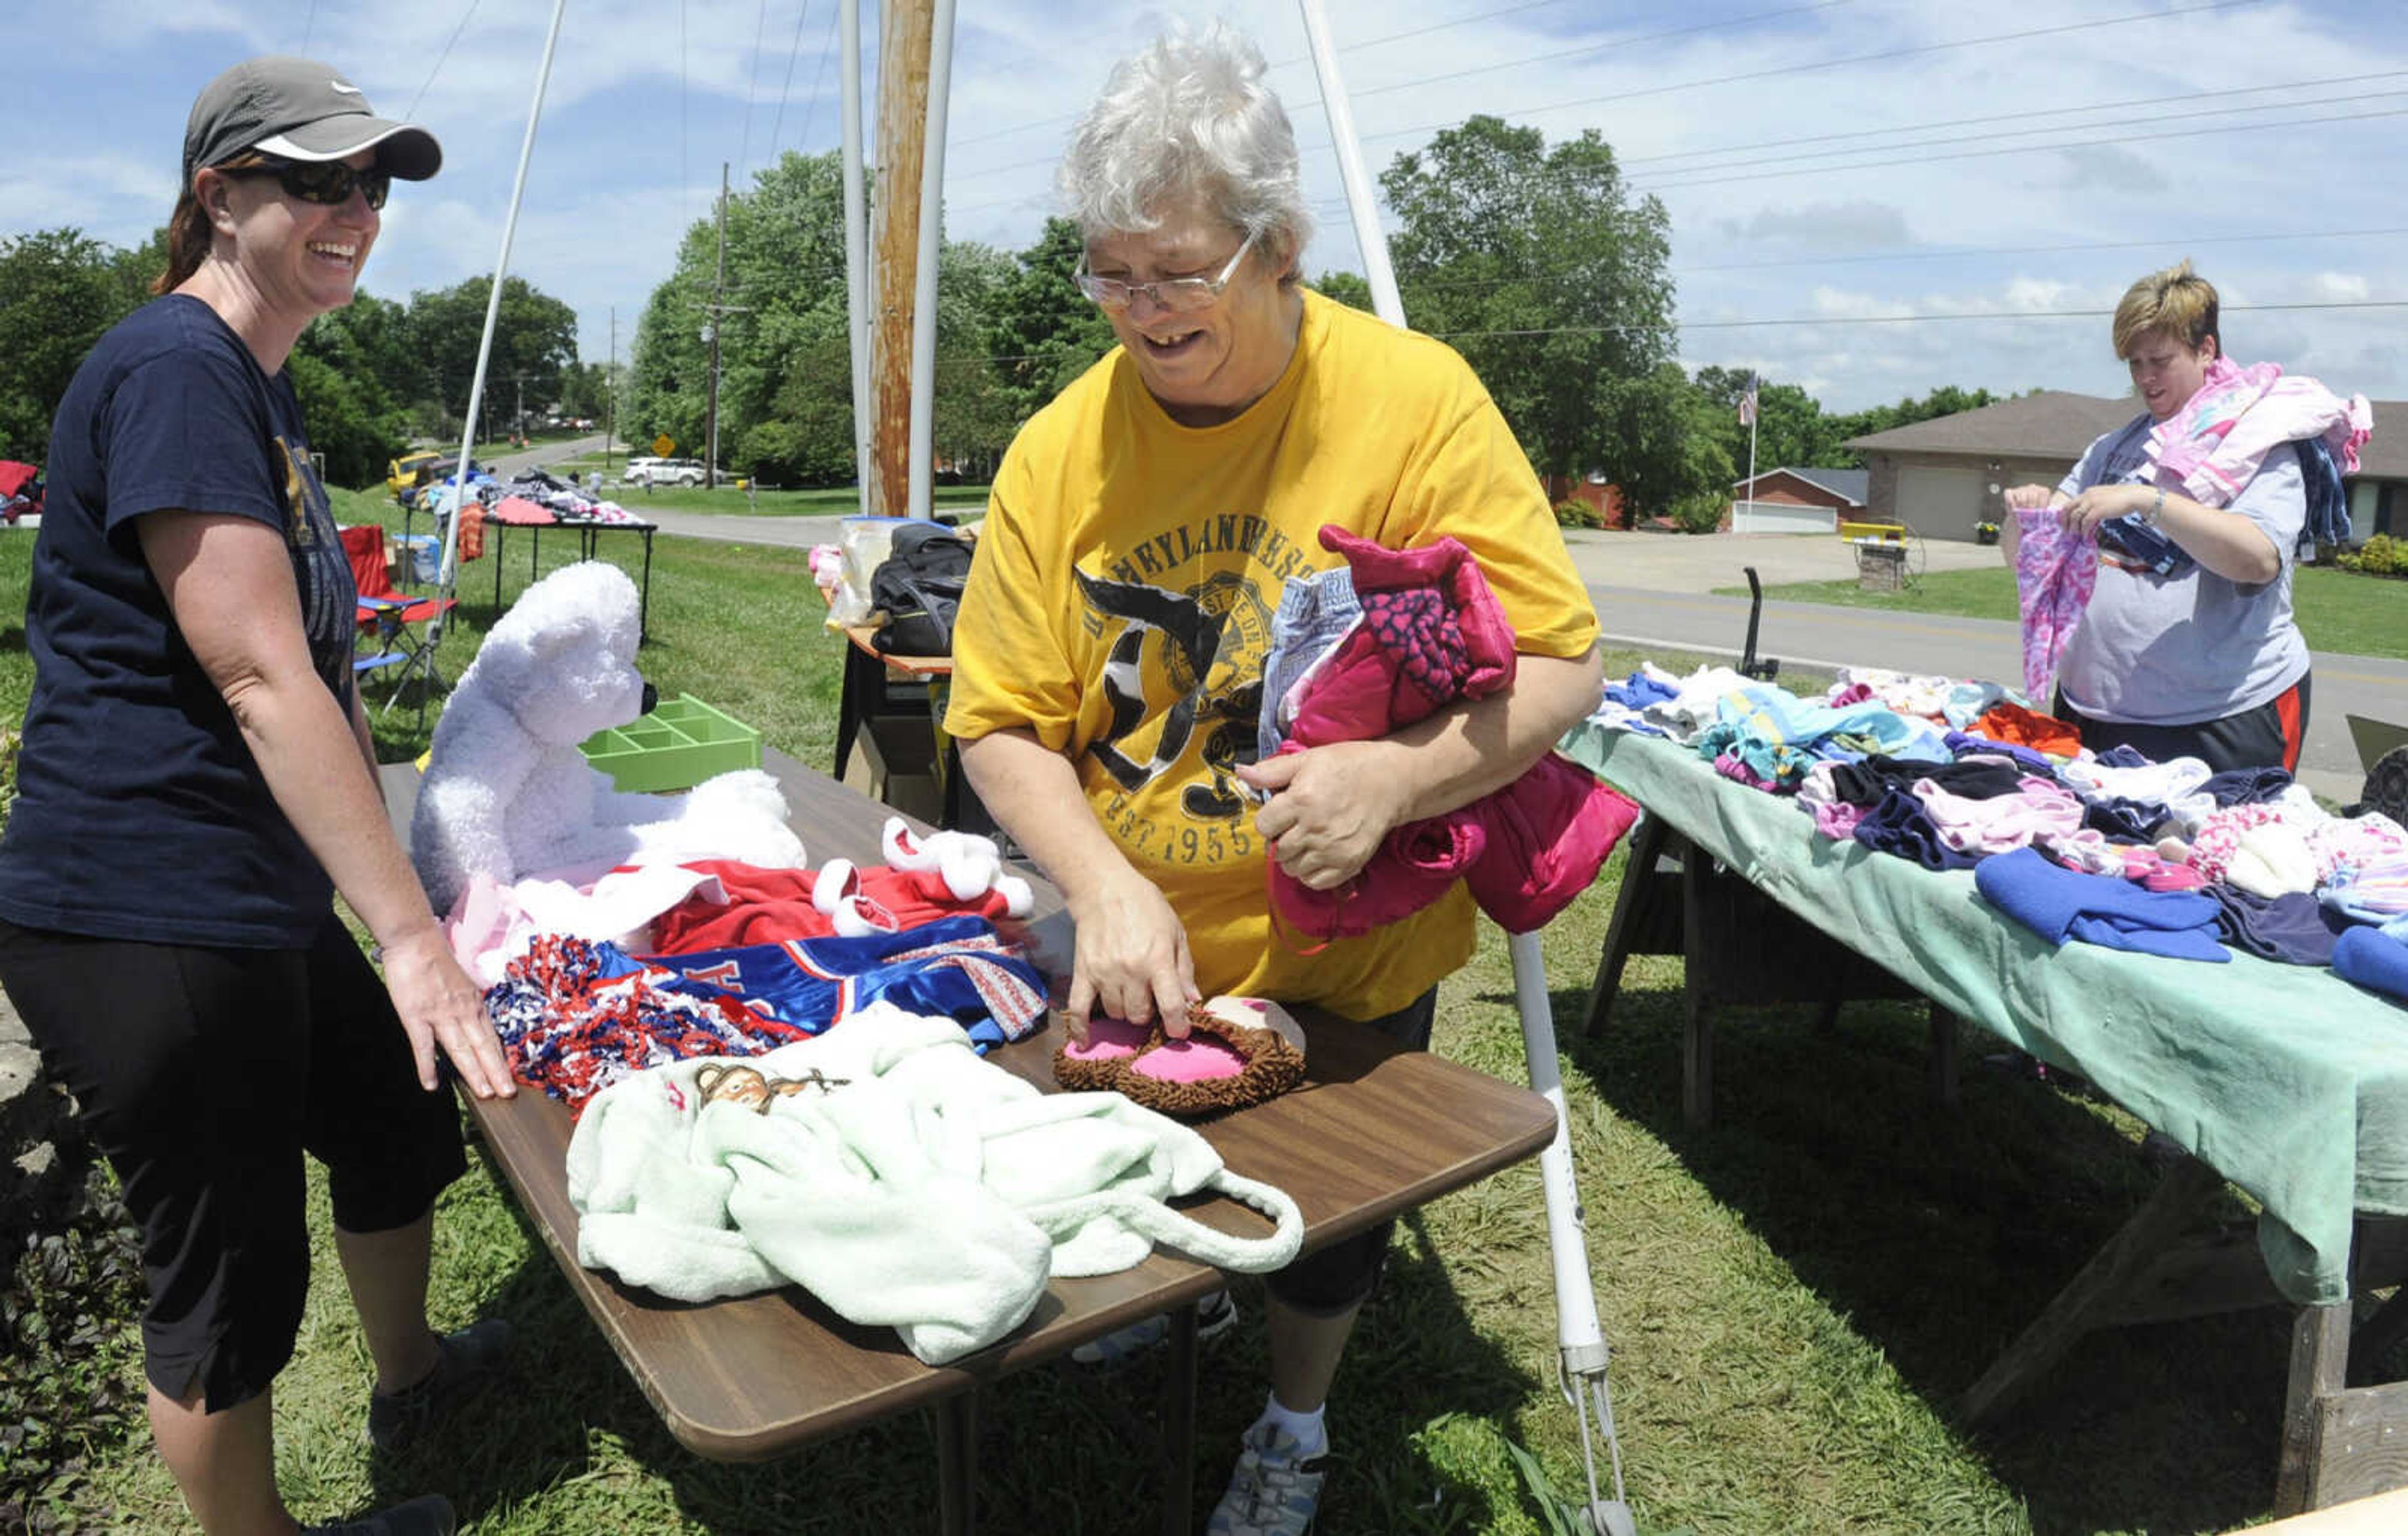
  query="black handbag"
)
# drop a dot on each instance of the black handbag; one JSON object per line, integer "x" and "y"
{"x": 918, "y": 585}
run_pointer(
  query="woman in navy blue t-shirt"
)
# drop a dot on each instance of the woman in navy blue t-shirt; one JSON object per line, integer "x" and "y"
{"x": 197, "y": 778}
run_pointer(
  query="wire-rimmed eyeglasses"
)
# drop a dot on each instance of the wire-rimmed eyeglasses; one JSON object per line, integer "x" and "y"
{"x": 1179, "y": 295}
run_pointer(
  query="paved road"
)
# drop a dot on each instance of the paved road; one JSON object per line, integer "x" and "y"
{"x": 1654, "y": 590}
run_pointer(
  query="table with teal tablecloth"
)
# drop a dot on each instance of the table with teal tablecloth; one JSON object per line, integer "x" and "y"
{"x": 2285, "y": 1080}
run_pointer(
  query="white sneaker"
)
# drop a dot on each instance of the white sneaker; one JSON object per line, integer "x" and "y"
{"x": 1274, "y": 1492}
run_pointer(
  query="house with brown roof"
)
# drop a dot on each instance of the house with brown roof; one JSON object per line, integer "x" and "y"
{"x": 1943, "y": 476}
{"x": 1795, "y": 499}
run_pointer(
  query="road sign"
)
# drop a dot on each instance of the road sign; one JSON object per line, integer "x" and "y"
{"x": 664, "y": 446}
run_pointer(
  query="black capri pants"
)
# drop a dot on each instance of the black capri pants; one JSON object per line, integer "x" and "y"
{"x": 204, "y": 1074}
{"x": 1333, "y": 1280}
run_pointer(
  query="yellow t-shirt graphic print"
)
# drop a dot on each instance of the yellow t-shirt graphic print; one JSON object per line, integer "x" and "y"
{"x": 1125, "y": 582}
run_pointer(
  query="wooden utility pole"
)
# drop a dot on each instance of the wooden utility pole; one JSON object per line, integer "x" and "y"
{"x": 718, "y": 293}
{"x": 610, "y": 390}
{"x": 904, "y": 29}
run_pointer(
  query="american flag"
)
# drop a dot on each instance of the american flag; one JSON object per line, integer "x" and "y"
{"x": 1747, "y": 402}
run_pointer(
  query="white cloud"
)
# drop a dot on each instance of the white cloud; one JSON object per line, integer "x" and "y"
{"x": 2340, "y": 288}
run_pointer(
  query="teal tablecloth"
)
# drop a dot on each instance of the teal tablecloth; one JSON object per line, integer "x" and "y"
{"x": 2288, "y": 1080}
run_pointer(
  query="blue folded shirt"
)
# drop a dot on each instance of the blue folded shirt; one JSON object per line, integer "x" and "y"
{"x": 2060, "y": 904}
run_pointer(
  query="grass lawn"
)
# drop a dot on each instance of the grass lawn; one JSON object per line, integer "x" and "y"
{"x": 1793, "y": 1296}
{"x": 2339, "y": 611}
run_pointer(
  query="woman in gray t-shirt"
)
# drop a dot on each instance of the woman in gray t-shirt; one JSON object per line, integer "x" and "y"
{"x": 2196, "y": 653}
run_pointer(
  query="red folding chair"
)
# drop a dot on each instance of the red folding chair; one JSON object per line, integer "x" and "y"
{"x": 402, "y": 649}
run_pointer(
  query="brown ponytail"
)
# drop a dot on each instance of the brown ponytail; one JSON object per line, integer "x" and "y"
{"x": 190, "y": 233}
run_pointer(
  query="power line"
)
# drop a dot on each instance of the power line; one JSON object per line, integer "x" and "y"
{"x": 2167, "y": 242}
{"x": 1628, "y": 161}
{"x": 1810, "y": 65}
{"x": 753, "y": 83}
{"x": 1442, "y": 26}
{"x": 2170, "y": 242}
{"x": 309, "y": 30}
{"x": 786, "y": 91}
{"x": 440, "y": 59}
{"x": 2015, "y": 315}
{"x": 811, "y": 107}
{"x": 1559, "y": 57}
{"x": 2030, "y": 149}
{"x": 956, "y": 360}
{"x": 1702, "y": 178}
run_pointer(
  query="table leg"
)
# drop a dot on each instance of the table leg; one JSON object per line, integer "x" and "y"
{"x": 1697, "y": 1026}
{"x": 1179, "y": 1423}
{"x": 848, "y": 706}
{"x": 644, "y": 594}
{"x": 499, "y": 529}
{"x": 958, "y": 1464}
{"x": 1946, "y": 1054}
{"x": 2089, "y": 1298}
{"x": 1638, "y": 881}
{"x": 2320, "y": 1367}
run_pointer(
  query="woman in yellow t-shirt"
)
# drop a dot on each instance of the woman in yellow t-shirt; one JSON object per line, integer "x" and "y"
{"x": 1108, "y": 653}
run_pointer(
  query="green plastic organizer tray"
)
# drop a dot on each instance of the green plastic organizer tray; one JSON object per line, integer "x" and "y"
{"x": 682, "y": 742}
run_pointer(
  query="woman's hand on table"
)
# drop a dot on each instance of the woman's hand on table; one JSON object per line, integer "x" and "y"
{"x": 1132, "y": 960}
{"x": 442, "y": 1008}
{"x": 1331, "y": 806}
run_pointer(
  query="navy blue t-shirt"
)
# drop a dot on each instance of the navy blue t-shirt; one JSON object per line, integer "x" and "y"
{"x": 140, "y": 812}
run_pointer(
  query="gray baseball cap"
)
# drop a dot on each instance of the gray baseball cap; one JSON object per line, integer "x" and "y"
{"x": 303, "y": 110}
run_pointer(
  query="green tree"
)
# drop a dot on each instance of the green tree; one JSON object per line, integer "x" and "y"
{"x": 1790, "y": 426}
{"x": 1351, "y": 289}
{"x": 353, "y": 369}
{"x": 1039, "y": 326}
{"x": 1656, "y": 436}
{"x": 535, "y": 337}
{"x": 59, "y": 290}
{"x": 1540, "y": 268}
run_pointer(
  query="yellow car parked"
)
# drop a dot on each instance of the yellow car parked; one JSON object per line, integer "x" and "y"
{"x": 402, "y": 472}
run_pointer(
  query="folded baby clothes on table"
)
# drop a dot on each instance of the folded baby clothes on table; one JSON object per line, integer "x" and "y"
{"x": 2063, "y": 906}
{"x": 2373, "y": 891}
{"x": 888, "y": 1169}
{"x": 1865, "y": 781}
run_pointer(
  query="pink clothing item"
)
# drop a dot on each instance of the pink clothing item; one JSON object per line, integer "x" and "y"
{"x": 1549, "y": 833}
{"x": 2040, "y": 809}
{"x": 1527, "y": 849}
{"x": 2261, "y": 848}
{"x": 2055, "y": 573}
{"x": 1417, "y": 863}
{"x": 2210, "y": 447}
{"x": 1836, "y": 819}
{"x": 1439, "y": 636}
{"x": 1732, "y": 766}
{"x": 2364, "y": 840}
{"x": 1845, "y": 695}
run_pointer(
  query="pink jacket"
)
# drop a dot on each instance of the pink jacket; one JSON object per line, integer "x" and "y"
{"x": 2210, "y": 447}
{"x": 1432, "y": 632}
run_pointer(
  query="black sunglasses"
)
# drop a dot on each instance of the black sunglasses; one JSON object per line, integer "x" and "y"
{"x": 327, "y": 181}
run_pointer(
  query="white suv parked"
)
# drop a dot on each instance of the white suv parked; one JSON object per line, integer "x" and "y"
{"x": 663, "y": 472}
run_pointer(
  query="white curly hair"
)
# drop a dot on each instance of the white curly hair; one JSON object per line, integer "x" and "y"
{"x": 1188, "y": 119}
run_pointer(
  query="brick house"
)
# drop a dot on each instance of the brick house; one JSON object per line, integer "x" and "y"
{"x": 1590, "y": 491}
{"x": 1794, "y": 500}
{"x": 1943, "y": 476}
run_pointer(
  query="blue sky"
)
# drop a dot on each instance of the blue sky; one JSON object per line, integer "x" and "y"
{"x": 1869, "y": 198}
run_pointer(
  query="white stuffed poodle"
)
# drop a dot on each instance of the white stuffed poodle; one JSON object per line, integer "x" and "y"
{"x": 507, "y": 793}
